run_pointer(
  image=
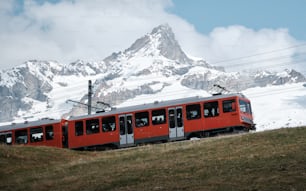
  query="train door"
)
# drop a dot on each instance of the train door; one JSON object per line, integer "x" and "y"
{"x": 126, "y": 130}
{"x": 176, "y": 124}
{"x": 65, "y": 136}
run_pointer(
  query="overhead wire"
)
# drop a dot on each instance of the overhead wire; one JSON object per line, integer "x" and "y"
{"x": 182, "y": 92}
{"x": 261, "y": 53}
{"x": 297, "y": 58}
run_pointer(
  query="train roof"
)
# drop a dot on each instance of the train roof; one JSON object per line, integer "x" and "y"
{"x": 156, "y": 105}
{"x": 26, "y": 124}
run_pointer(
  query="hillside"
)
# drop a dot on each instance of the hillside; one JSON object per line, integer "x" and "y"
{"x": 270, "y": 160}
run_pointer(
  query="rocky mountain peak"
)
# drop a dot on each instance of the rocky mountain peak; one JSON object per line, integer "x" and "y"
{"x": 168, "y": 46}
{"x": 160, "y": 42}
{"x": 164, "y": 28}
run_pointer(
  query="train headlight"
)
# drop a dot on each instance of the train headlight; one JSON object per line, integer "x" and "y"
{"x": 246, "y": 120}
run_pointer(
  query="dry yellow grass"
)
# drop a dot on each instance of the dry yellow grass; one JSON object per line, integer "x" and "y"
{"x": 274, "y": 160}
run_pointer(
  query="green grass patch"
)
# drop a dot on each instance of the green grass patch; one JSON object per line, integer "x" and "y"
{"x": 271, "y": 160}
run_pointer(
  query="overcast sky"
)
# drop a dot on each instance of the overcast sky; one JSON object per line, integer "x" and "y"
{"x": 236, "y": 34}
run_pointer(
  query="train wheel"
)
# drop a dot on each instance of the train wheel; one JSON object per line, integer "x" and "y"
{"x": 207, "y": 134}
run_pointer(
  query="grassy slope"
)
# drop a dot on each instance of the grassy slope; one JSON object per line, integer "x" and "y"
{"x": 274, "y": 160}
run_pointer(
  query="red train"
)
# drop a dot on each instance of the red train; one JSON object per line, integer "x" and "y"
{"x": 123, "y": 127}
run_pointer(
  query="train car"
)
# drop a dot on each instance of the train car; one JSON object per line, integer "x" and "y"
{"x": 46, "y": 132}
{"x": 221, "y": 113}
{"x": 161, "y": 121}
{"x": 93, "y": 131}
{"x": 123, "y": 127}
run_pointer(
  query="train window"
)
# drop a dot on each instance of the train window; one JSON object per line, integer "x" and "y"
{"x": 109, "y": 124}
{"x": 21, "y": 136}
{"x": 179, "y": 117}
{"x": 2, "y": 139}
{"x": 245, "y": 107}
{"x": 211, "y": 109}
{"x": 142, "y": 119}
{"x": 129, "y": 124}
{"x": 79, "y": 128}
{"x": 171, "y": 118}
{"x": 49, "y": 132}
{"x": 122, "y": 125}
{"x": 36, "y": 134}
{"x": 229, "y": 106}
{"x": 6, "y": 138}
{"x": 92, "y": 126}
{"x": 193, "y": 111}
{"x": 158, "y": 116}
{"x": 9, "y": 138}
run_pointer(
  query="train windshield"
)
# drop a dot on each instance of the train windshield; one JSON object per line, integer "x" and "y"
{"x": 245, "y": 107}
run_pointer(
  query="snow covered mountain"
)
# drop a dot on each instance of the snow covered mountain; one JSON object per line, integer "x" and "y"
{"x": 153, "y": 66}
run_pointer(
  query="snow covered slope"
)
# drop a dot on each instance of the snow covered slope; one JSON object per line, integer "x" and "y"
{"x": 278, "y": 106}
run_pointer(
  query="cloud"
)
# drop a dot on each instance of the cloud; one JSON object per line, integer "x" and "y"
{"x": 71, "y": 30}
{"x": 91, "y": 30}
{"x": 239, "y": 48}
